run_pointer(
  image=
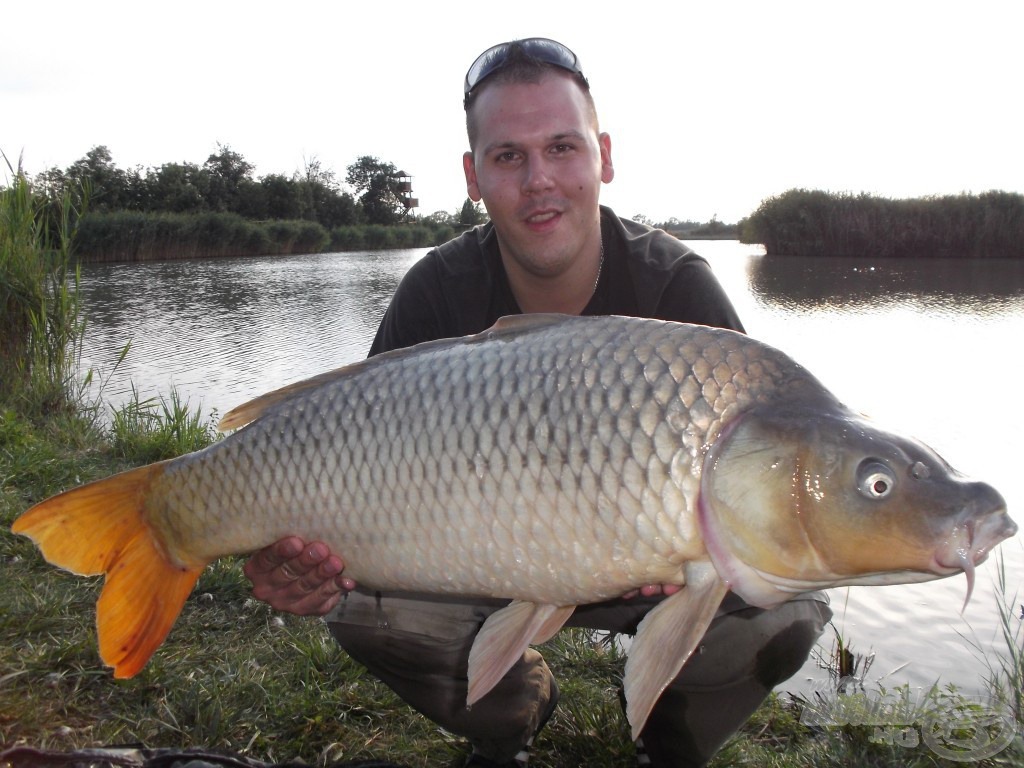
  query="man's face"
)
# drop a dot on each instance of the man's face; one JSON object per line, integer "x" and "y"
{"x": 538, "y": 164}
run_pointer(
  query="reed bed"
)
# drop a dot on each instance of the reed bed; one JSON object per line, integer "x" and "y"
{"x": 804, "y": 222}
{"x": 40, "y": 317}
{"x": 136, "y": 236}
{"x": 367, "y": 237}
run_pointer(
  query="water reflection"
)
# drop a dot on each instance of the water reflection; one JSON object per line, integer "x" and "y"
{"x": 988, "y": 286}
{"x": 223, "y": 331}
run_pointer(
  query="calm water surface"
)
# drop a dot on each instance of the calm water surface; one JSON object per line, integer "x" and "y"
{"x": 929, "y": 348}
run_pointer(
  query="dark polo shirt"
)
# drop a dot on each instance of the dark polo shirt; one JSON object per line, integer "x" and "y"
{"x": 460, "y": 287}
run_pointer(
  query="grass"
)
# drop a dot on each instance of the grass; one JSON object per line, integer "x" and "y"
{"x": 1007, "y": 676}
{"x": 159, "y": 428}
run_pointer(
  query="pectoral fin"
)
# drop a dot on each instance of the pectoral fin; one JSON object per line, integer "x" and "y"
{"x": 666, "y": 638}
{"x": 504, "y": 637}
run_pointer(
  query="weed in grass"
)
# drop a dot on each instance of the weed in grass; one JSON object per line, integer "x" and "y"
{"x": 144, "y": 431}
{"x": 1008, "y": 679}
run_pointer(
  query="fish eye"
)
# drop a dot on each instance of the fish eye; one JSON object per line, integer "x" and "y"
{"x": 875, "y": 480}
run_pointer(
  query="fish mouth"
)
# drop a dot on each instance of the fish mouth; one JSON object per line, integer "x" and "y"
{"x": 969, "y": 545}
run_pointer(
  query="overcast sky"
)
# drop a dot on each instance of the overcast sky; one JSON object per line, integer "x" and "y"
{"x": 711, "y": 106}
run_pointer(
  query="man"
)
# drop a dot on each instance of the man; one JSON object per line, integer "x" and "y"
{"x": 537, "y": 160}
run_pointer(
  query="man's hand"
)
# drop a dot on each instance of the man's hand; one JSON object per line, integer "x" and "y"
{"x": 296, "y": 577}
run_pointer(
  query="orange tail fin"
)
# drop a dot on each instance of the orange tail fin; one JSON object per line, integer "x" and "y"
{"x": 100, "y": 528}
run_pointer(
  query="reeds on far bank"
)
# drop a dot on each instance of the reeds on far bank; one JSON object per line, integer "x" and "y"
{"x": 804, "y": 222}
{"x": 138, "y": 236}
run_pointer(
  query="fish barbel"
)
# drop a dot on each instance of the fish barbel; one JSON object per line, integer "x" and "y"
{"x": 551, "y": 460}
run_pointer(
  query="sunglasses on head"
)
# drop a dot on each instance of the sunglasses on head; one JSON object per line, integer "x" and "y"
{"x": 540, "y": 48}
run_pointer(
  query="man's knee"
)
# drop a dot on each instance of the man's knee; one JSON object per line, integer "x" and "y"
{"x": 429, "y": 674}
{"x": 743, "y": 656}
{"x": 765, "y": 646}
{"x": 787, "y": 647}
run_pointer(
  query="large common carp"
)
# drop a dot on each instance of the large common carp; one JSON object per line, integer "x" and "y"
{"x": 551, "y": 460}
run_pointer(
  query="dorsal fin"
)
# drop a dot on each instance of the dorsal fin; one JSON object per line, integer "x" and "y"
{"x": 252, "y": 410}
{"x": 510, "y": 325}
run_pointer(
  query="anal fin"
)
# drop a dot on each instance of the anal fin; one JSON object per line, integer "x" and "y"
{"x": 505, "y": 636}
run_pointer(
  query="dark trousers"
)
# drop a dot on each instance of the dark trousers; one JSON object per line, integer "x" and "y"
{"x": 419, "y": 646}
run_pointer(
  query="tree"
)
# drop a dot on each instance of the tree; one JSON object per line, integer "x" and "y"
{"x": 283, "y": 198}
{"x": 97, "y": 172}
{"x": 176, "y": 187}
{"x": 363, "y": 171}
{"x": 314, "y": 173}
{"x": 378, "y": 183}
{"x": 317, "y": 188}
{"x": 471, "y": 214}
{"x": 252, "y": 200}
{"x": 441, "y": 217}
{"x": 51, "y": 183}
{"x": 227, "y": 170}
{"x": 339, "y": 209}
{"x": 136, "y": 190}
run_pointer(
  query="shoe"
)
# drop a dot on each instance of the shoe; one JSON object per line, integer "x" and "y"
{"x": 522, "y": 758}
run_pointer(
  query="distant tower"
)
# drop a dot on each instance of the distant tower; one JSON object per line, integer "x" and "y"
{"x": 404, "y": 187}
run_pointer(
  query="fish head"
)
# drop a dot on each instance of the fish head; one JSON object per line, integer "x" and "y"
{"x": 809, "y": 496}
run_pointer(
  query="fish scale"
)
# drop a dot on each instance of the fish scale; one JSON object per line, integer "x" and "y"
{"x": 552, "y": 461}
{"x": 469, "y": 459}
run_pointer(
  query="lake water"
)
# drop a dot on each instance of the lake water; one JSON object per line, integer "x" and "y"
{"x": 931, "y": 348}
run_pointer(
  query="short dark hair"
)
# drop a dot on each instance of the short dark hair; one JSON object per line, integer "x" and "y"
{"x": 521, "y": 67}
